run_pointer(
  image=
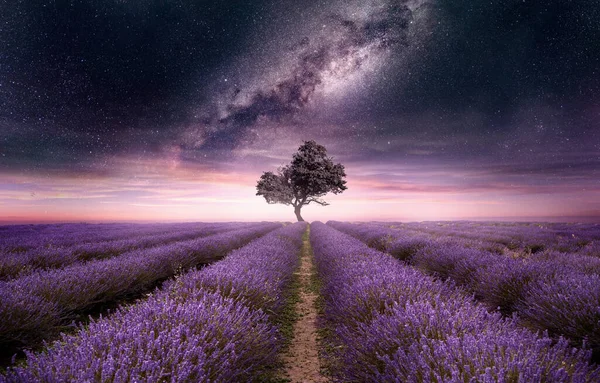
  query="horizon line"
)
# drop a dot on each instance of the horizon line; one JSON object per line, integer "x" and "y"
{"x": 519, "y": 219}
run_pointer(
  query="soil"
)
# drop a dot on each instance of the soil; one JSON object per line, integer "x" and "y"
{"x": 301, "y": 362}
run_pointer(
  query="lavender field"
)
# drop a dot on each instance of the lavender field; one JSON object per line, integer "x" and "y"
{"x": 211, "y": 302}
{"x": 373, "y": 144}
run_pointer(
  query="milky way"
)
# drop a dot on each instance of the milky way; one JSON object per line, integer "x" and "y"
{"x": 431, "y": 95}
{"x": 342, "y": 46}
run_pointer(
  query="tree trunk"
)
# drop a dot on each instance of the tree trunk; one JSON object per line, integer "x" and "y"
{"x": 297, "y": 212}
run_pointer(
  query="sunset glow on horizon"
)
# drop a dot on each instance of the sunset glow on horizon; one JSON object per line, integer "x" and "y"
{"x": 438, "y": 109}
{"x": 374, "y": 193}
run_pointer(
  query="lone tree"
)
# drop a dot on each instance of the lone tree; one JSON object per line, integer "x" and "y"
{"x": 311, "y": 175}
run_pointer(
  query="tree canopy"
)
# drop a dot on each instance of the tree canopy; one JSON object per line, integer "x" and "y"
{"x": 311, "y": 175}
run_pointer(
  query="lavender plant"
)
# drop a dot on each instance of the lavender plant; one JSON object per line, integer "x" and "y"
{"x": 531, "y": 285}
{"x": 74, "y": 288}
{"x": 208, "y": 338}
{"x": 42, "y": 257}
{"x": 19, "y": 238}
{"x": 409, "y": 334}
{"x": 568, "y": 304}
{"x": 185, "y": 332}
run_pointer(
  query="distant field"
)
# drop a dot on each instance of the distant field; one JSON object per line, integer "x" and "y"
{"x": 423, "y": 302}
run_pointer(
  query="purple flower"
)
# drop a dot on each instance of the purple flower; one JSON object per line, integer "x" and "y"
{"x": 390, "y": 323}
{"x": 194, "y": 329}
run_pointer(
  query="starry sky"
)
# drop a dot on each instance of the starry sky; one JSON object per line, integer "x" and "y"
{"x": 171, "y": 110}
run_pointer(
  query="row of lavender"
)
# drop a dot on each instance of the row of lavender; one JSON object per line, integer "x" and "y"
{"x": 18, "y": 238}
{"x": 392, "y": 238}
{"x": 391, "y": 323}
{"x": 14, "y": 264}
{"x": 35, "y": 306}
{"x": 541, "y": 248}
{"x": 212, "y": 325}
{"x": 523, "y": 238}
{"x": 560, "y": 294}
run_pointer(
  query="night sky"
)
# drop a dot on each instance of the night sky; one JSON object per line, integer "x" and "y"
{"x": 171, "y": 110}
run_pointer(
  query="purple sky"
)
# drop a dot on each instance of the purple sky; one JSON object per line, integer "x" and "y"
{"x": 438, "y": 109}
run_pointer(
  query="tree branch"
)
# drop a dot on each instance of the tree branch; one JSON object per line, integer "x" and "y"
{"x": 320, "y": 202}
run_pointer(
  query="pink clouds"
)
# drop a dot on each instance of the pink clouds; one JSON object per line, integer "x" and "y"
{"x": 146, "y": 189}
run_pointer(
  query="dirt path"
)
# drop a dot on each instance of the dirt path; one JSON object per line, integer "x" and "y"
{"x": 301, "y": 362}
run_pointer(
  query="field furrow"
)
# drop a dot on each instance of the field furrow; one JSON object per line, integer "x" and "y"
{"x": 391, "y": 323}
{"x": 212, "y": 325}
{"x": 19, "y": 264}
{"x": 559, "y": 294}
{"x": 20, "y": 238}
{"x": 35, "y": 307}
